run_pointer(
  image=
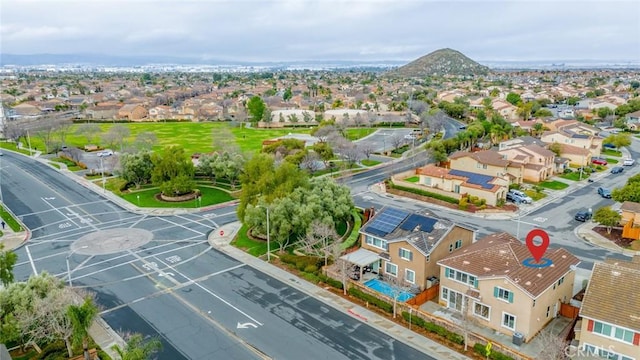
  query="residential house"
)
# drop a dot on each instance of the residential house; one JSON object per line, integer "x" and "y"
{"x": 161, "y": 112}
{"x": 290, "y": 117}
{"x": 633, "y": 120}
{"x": 610, "y": 324}
{"x": 591, "y": 143}
{"x": 103, "y": 111}
{"x": 504, "y": 108}
{"x": 491, "y": 281}
{"x": 538, "y": 162}
{"x": 132, "y": 112}
{"x": 450, "y": 181}
{"x": 408, "y": 245}
{"x": 26, "y": 110}
{"x": 487, "y": 162}
{"x": 630, "y": 220}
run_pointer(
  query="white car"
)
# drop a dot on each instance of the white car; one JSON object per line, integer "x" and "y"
{"x": 628, "y": 162}
{"x": 105, "y": 153}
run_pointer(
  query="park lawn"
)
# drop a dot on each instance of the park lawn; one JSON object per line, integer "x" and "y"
{"x": 554, "y": 185}
{"x": 13, "y": 146}
{"x": 575, "y": 176}
{"x": 611, "y": 152}
{"x": 9, "y": 219}
{"x": 254, "y": 247}
{"x": 358, "y": 133}
{"x": 612, "y": 160}
{"x": 413, "y": 179}
{"x": 210, "y": 196}
{"x": 193, "y": 137}
{"x": 367, "y": 162}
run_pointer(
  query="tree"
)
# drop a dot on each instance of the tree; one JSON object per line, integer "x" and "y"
{"x": 137, "y": 168}
{"x": 223, "y": 140}
{"x": 607, "y": 217}
{"x": 573, "y": 100}
{"x": 89, "y": 131}
{"x": 119, "y": 133}
{"x": 618, "y": 140}
{"x": 554, "y": 347}
{"x": 172, "y": 171}
{"x": 318, "y": 239}
{"x": 46, "y": 135}
{"x": 82, "y": 317}
{"x": 145, "y": 141}
{"x": 513, "y": 98}
{"x": 8, "y": 260}
{"x": 556, "y": 148}
{"x": 629, "y": 192}
{"x": 311, "y": 162}
{"x": 287, "y": 94}
{"x": 256, "y": 108}
{"x": 138, "y": 348}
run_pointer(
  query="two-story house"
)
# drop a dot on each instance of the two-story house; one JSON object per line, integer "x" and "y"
{"x": 408, "y": 245}
{"x": 538, "y": 162}
{"x": 630, "y": 220}
{"x": 438, "y": 179}
{"x": 633, "y": 120}
{"x": 610, "y": 324}
{"x": 487, "y": 162}
{"x": 494, "y": 282}
{"x": 132, "y": 112}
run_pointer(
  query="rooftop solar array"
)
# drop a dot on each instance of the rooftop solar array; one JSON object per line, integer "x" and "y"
{"x": 386, "y": 221}
{"x": 473, "y": 178}
{"x": 414, "y": 220}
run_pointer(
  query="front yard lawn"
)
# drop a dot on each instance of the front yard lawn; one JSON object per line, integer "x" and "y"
{"x": 534, "y": 195}
{"x": 210, "y": 196}
{"x": 554, "y": 185}
{"x": 413, "y": 179}
{"x": 358, "y": 133}
{"x": 611, "y": 152}
{"x": 612, "y": 161}
{"x": 367, "y": 162}
{"x": 575, "y": 176}
{"x": 242, "y": 241}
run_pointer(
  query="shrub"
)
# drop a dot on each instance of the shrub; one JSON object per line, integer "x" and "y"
{"x": 311, "y": 269}
{"x": 53, "y": 351}
{"x": 434, "y": 328}
{"x": 331, "y": 282}
{"x": 483, "y": 201}
{"x": 482, "y": 207}
{"x": 311, "y": 277}
{"x": 423, "y": 193}
{"x": 514, "y": 186}
{"x": 463, "y": 204}
{"x": 481, "y": 349}
{"x": 381, "y": 304}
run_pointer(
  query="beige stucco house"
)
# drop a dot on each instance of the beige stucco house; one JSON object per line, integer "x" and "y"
{"x": 610, "y": 324}
{"x": 408, "y": 245}
{"x": 132, "y": 112}
{"x": 437, "y": 179}
{"x": 487, "y": 162}
{"x": 490, "y": 281}
{"x": 538, "y": 163}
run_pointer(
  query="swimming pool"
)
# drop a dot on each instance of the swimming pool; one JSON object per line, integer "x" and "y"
{"x": 386, "y": 289}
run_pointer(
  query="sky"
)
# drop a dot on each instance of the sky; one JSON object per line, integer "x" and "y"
{"x": 298, "y": 30}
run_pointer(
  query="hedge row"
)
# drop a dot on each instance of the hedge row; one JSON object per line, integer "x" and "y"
{"x": 309, "y": 264}
{"x": 381, "y": 304}
{"x": 423, "y": 193}
{"x": 482, "y": 350}
{"x": 355, "y": 232}
{"x": 434, "y": 328}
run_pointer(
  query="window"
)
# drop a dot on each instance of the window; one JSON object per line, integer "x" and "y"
{"x": 481, "y": 310}
{"x": 445, "y": 293}
{"x": 461, "y": 277}
{"x": 410, "y": 276}
{"x": 561, "y": 281}
{"x": 375, "y": 242}
{"x": 450, "y": 247}
{"x": 458, "y": 244}
{"x": 503, "y": 294}
{"x": 428, "y": 258}
{"x": 427, "y": 181}
{"x": 605, "y": 353}
{"x": 508, "y": 321}
{"x": 456, "y": 189}
{"x": 391, "y": 269}
{"x": 548, "y": 310}
{"x": 534, "y": 303}
{"x": 614, "y": 332}
{"x": 405, "y": 254}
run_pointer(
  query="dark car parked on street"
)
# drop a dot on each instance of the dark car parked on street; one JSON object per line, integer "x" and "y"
{"x": 617, "y": 170}
{"x": 583, "y": 216}
{"x": 605, "y": 193}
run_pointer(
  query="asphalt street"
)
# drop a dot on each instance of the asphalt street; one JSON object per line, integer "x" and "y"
{"x": 159, "y": 276}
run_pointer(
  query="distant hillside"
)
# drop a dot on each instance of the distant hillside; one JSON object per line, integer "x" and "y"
{"x": 440, "y": 62}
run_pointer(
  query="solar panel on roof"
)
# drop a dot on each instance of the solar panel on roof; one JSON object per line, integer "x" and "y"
{"x": 426, "y": 223}
{"x": 386, "y": 221}
{"x": 473, "y": 178}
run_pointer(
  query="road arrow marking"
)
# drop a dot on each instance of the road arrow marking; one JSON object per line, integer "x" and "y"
{"x": 247, "y": 325}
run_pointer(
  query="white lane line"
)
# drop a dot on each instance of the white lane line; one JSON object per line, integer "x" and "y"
{"x": 33, "y": 265}
{"x": 60, "y": 212}
{"x": 209, "y": 291}
{"x": 144, "y": 217}
{"x": 179, "y": 225}
{"x": 539, "y": 225}
{"x": 197, "y": 221}
{"x": 169, "y": 289}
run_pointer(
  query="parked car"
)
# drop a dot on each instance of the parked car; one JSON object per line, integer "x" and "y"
{"x": 605, "y": 193}
{"x": 583, "y": 215}
{"x": 105, "y": 153}
{"x": 518, "y": 197}
{"x": 608, "y": 146}
{"x": 628, "y": 162}
{"x": 617, "y": 170}
{"x": 599, "y": 161}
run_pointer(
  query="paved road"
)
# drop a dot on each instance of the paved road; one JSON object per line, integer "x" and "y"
{"x": 159, "y": 276}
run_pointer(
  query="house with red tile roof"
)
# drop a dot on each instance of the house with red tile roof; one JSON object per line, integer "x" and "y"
{"x": 487, "y": 162}
{"x": 491, "y": 281}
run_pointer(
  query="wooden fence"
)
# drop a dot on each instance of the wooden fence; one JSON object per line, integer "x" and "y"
{"x": 629, "y": 232}
{"x": 569, "y": 311}
{"x": 423, "y": 297}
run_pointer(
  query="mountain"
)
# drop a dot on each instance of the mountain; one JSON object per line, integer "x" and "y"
{"x": 440, "y": 62}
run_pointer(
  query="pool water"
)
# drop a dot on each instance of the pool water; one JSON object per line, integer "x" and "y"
{"x": 386, "y": 289}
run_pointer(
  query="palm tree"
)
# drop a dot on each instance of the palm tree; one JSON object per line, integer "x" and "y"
{"x": 137, "y": 348}
{"x": 81, "y": 318}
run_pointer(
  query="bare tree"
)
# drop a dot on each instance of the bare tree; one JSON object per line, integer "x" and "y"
{"x": 367, "y": 150}
{"x": 554, "y": 346}
{"x": 46, "y": 135}
{"x": 318, "y": 239}
{"x": 14, "y": 130}
{"x": 398, "y": 286}
{"x": 121, "y": 133}
{"x": 63, "y": 130}
{"x": 396, "y": 141}
{"x": 145, "y": 141}
{"x": 89, "y": 131}
{"x": 224, "y": 140}
{"x": 311, "y": 162}
{"x": 325, "y": 132}
{"x": 340, "y": 266}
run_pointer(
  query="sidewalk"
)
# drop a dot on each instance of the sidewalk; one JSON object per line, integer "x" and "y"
{"x": 415, "y": 340}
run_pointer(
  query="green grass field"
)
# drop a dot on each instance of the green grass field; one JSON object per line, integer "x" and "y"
{"x": 193, "y": 137}
{"x": 13, "y": 146}
{"x": 9, "y": 219}
{"x": 575, "y": 176}
{"x": 612, "y": 160}
{"x": 554, "y": 185}
{"x": 210, "y": 196}
{"x": 358, "y": 133}
{"x": 611, "y": 152}
{"x": 413, "y": 179}
{"x": 367, "y": 162}
{"x": 253, "y": 247}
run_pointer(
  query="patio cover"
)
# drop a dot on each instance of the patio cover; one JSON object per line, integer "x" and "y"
{"x": 361, "y": 257}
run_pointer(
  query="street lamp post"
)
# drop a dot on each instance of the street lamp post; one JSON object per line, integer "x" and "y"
{"x": 102, "y": 172}
{"x": 67, "y": 260}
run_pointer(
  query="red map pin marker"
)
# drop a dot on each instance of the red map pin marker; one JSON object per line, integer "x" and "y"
{"x": 537, "y": 251}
